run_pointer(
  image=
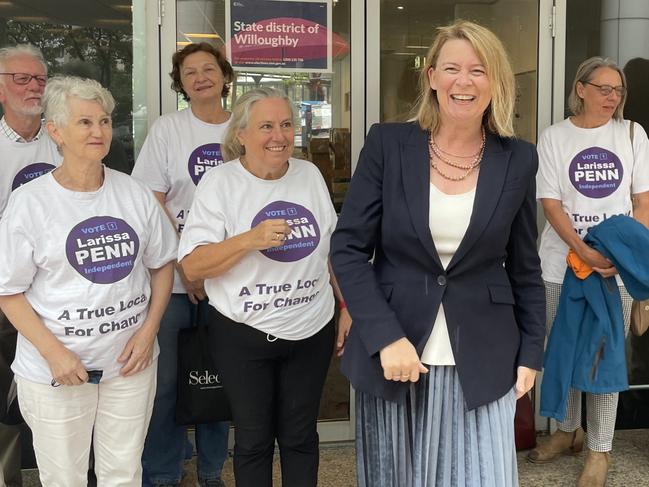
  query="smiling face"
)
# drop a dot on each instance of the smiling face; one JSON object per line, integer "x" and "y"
{"x": 22, "y": 100}
{"x": 268, "y": 136}
{"x": 87, "y": 133}
{"x": 201, "y": 77}
{"x": 461, "y": 83}
{"x": 597, "y": 107}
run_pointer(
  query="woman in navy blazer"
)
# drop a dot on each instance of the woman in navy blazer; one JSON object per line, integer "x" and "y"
{"x": 435, "y": 253}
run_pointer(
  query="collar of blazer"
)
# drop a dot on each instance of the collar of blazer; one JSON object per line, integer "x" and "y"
{"x": 416, "y": 177}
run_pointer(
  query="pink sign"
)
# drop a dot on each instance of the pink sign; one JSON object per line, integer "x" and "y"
{"x": 280, "y": 34}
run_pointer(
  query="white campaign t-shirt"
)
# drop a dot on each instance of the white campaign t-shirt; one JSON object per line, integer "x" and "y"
{"x": 82, "y": 260}
{"x": 592, "y": 172}
{"x": 283, "y": 291}
{"x": 177, "y": 152}
{"x": 21, "y": 162}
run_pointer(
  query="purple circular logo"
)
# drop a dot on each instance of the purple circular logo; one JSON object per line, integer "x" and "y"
{"x": 596, "y": 172}
{"x": 31, "y": 172}
{"x": 102, "y": 249}
{"x": 203, "y": 159}
{"x": 304, "y": 236}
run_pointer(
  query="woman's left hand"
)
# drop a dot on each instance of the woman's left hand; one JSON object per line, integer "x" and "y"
{"x": 607, "y": 272}
{"x": 524, "y": 381}
{"x": 344, "y": 325}
{"x": 138, "y": 352}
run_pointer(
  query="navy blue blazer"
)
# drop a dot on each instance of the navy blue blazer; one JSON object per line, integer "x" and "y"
{"x": 492, "y": 290}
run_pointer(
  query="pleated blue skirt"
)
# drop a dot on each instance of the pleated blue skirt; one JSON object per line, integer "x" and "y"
{"x": 432, "y": 440}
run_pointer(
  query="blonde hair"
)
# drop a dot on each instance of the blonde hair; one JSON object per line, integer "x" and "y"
{"x": 231, "y": 147}
{"x": 499, "y": 116}
{"x": 585, "y": 74}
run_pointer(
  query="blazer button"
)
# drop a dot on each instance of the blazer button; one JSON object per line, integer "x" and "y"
{"x": 441, "y": 280}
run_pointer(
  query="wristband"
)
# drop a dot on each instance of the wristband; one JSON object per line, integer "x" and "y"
{"x": 342, "y": 305}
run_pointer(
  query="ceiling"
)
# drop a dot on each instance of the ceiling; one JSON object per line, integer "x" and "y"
{"x": 99, "y": 13}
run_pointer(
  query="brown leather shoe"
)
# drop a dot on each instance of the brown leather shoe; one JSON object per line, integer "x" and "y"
{"x": 559, "y": 443}
{"x": 595, "y": 469}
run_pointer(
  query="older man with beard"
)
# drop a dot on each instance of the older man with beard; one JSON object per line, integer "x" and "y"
{"x": 26, "y": 153}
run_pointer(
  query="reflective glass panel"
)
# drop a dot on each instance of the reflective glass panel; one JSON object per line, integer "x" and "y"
{"x": 408, "y": 29}
{"x": 322, "y": 136}
{"x": 603, "y": 29}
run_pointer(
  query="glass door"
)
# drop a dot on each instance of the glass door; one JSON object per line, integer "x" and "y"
{"x": 113, "y": 42}
{"x": 399, "y": 37}
{"x": 317, "y": 78}
{"x": 617, "y": 29}
{"x": 407, "y": 28}
{"x": 108, "y": 41}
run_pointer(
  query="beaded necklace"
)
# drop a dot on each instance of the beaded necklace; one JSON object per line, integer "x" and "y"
{"x": 435, "y": 151}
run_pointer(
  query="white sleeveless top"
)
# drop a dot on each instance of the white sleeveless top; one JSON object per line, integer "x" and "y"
{"x": 448, "y": 219}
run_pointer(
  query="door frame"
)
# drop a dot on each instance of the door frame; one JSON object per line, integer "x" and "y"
{"x": 550, "y": 98}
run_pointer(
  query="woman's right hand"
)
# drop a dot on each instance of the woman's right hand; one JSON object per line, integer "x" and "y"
{"x": 400, "y": 362}
{"x": 598, "y": 262}
{"x": 269, "y": 233}
{"x": 66, "y": 367}
{"x": 195, "y": 289}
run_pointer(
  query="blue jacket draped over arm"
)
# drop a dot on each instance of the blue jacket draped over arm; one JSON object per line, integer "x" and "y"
{"x": 586, "y": 345}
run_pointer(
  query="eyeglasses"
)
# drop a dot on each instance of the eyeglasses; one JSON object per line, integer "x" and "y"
{"x": 606, "y": 89}
{"x": 24, "y": 78}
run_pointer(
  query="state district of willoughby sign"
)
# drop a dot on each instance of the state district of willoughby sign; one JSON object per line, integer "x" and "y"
{"x": 272, "y": 35}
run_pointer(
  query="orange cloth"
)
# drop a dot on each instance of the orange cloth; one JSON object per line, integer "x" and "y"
{"x": 578, "y": 266}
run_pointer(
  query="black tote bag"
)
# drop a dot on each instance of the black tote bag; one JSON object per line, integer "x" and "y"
{"x": 201, "y": 397}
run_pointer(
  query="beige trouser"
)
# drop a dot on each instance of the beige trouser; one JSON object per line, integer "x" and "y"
{"x": 114, "y": 415}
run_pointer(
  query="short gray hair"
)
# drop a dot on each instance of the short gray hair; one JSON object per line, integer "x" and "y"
{"x": 60, "y": 89}
{"x": 232, "y": 149}
{"x": 9, "y": 52}
{"x": 585, "y": 74}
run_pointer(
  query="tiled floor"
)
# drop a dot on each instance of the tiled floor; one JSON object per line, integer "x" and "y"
{"x": 630, "y": 466}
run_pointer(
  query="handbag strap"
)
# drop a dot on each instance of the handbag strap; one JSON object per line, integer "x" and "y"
{"x": 203, "y": 327}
